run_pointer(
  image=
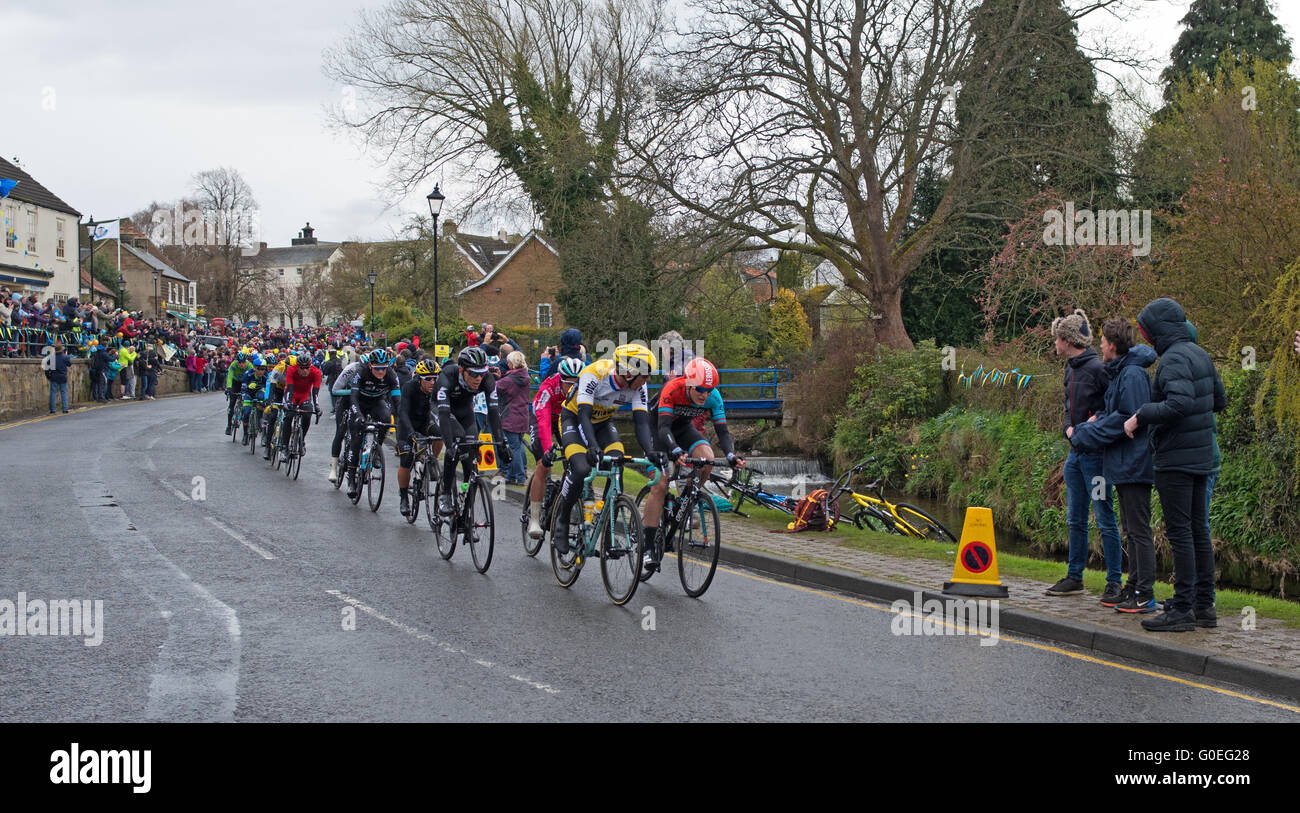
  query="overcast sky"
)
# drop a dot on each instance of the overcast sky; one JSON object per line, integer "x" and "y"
{"x": 112, "y": 106}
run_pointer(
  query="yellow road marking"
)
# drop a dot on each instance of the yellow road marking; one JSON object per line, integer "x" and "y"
{"x": 1043, "y": 647}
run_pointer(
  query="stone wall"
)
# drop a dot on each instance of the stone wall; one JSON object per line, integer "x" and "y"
{"x": 24, "y": 392}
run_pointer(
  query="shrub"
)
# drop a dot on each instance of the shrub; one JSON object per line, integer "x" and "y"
{"x": 892, "y": 391}
{"x": 820, "y": 392}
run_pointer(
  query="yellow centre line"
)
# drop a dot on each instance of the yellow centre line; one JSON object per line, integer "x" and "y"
{"x": 1021, "y": 642}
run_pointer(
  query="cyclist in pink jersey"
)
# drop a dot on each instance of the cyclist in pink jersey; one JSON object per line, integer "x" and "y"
{"x": 544, "y": 429}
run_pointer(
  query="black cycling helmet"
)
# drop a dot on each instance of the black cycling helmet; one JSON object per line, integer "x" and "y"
{"x": 473, "y": 360}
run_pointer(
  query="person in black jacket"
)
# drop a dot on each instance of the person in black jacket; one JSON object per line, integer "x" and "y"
{"x": 1126, "y": 462}
{"x": 1085, "y": 396}
{"x": 56, "y": 370}
{"x": 99, "y": 373}
{"x": 1187, "y": 393}
{"x": 330, "y": 370}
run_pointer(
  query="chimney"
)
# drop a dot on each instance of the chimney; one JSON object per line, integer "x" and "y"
{"x": 304, "y": 237}
{"x": 449, "y": 227}
{"x": 503, "y": 235}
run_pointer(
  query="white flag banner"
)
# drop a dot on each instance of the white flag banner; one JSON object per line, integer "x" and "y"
{"x": 106, "y": 230}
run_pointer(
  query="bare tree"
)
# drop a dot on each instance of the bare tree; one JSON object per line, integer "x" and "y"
{"x": 804, "y": 124}
{"x": 516, "y": 95}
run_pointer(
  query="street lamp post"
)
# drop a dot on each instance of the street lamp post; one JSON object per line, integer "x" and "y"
{"x": 371, "y": 277}
{"x": 435, "y": 199}
{"x": 156, "y": 313}
{"x": 121, "y": 286}
{"x": 90, "y": 268}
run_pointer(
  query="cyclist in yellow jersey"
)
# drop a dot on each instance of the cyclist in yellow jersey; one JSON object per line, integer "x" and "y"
{"x": 586, "y": 431}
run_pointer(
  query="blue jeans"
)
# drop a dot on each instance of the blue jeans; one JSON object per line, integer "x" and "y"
{"x": 1082, "y": 473}
{"x": 518, "y": 470}
{"x": 61, "y": 388}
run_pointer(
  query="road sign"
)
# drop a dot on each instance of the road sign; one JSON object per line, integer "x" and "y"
{"x": 975, "y": 573}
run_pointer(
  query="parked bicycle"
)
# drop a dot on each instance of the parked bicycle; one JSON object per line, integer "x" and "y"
{"x": 876, "y": 513}
{"x": 471, "y": 516}
{"x": 690, "y": 529}
{"x": 610, "y": 525}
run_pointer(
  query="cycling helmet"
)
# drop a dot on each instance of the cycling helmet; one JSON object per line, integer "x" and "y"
{"x": 242, "y": 356}
{"x": 304, "y": 363}
{"x": 570, "y": 367}
{"x": 701, "y": 373}
{"x": 379, "y": 358}
{"x": 259, "y": 363}
{"x": 426, "y": 367}
{"x": 634, "y": 359}
{"x": 473, "y": 360}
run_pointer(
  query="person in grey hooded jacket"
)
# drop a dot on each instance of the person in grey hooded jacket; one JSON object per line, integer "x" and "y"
{"x": 1187, "y": 393}
{"x": 1126, "y": 462}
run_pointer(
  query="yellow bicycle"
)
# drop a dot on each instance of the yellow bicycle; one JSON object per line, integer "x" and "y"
{"x": 876, "y": 513}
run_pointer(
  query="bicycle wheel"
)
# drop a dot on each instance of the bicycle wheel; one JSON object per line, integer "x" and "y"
{"x": 294, "y": 465}
{"x": 430, "y": 491}
{"x": 531, "y": 546}
{"x": 699, "y": 541}
{"x": 925, "y": 526}
{"x": 478, "y": 528}
{"x": 377, "y": 467}
{"x": 647, "y": 572}
{"x": 275, "y": 445}
{"x": 232, "y": 426}
{"x": 620, "y": 550}
{"x": 869, "y": 519}
{"x": 416, "y": 496}
{"x": 250, "y": 435}
{"x": 444, "y": 528}
{"x": 568, "y": 567}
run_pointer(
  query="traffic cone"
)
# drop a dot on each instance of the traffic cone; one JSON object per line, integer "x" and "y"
{"x": 975, "y": 573}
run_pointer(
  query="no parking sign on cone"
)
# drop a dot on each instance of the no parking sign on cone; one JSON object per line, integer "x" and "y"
{"x": 975, "y": 573}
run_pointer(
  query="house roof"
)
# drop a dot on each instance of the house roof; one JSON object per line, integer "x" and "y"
{"x": 98, "y": 287}
{"x": 532, "y": 235}
{"x": 486, "y": 253}
{"x": 291, "y": 255}
{"x": 29, "y": 190}
{"x": 155, "y": 263}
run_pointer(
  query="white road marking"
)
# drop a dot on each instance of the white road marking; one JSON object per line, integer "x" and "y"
{"x": 429, "y": 639}
{"x": 196, "y": 670}
{"x": 180, "y": 494}
{"x": 153, "y": 443}
{"x": 177, "y": 429}
{"x": 240, "y": 538}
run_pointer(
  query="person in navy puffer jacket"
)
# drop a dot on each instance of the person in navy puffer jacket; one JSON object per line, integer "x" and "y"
{"x": 1126, "y": 462}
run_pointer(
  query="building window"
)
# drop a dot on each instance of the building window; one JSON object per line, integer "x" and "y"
{"x": 282, "y": 320}
{"x": 282, "y": 272}
{"x": 299, "y": 318}
{"x": 31, "y": 232}
{"x": 58, "y": 246}
{"x": 11, "y": 227}
{"x": 544, "y": 314}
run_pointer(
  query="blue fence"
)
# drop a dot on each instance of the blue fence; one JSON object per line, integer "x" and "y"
{"x": 749, "y": 392}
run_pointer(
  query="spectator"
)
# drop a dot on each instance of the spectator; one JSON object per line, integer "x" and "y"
{"x": 501, "y": 340}
{"x": 471, "y": 338}
{"x": 141, "y": 369}
{"x": 201, "y": 371}
{"x": 99, "y": 373}
{"x": 1085, "y": 396}
{"x": 514, "y": 390}
{"x": 58, "y": 377}
{"x": 1126, "y": 462}
{"x": 126, "y": 358}
{"x": 571, "y": 344}
{"x": 674, "y": 355}
{"x": 549, "y": 358}
{"x": 153, "y": 367}
{"x": 1187, "y": 393}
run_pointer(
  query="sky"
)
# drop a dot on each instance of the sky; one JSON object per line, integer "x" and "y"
{"x": 114, "y": 106}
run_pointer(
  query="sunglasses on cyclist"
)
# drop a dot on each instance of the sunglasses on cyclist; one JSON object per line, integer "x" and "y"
{"x": 432, "y": 377}
{"x": 705, "y": 390}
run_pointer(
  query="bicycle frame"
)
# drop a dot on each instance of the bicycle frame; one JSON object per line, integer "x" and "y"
{"x": 886, "y": 510}
{"x": 613, "y": 488}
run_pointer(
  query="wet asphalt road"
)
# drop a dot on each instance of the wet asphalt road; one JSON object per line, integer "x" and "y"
{"x": 234, "y": 607}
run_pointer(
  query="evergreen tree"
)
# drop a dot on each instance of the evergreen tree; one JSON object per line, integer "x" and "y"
{"x": 1247, "y": 27}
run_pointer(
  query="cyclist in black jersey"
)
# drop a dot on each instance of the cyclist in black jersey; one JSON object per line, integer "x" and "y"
{"x": 457, "y": 385}
{"x": 368, "y": 402}
{"x": 415, "y": 415}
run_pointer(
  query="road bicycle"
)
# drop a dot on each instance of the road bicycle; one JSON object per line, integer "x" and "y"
{"x": 876, "y": 513}
{"x": 740, "y": 486}
{"x": 471, "y": 516}
{"x": 370, "y": 467}
{"x": 251, "y": 426}
{"x": 232, "y": 413}
{"x": 610, "y": 525}
{"x": 532, "y": 546}
{"x": 424, "y": 478}
{"x": 691, "y": 529}
{"x": 296, "y": 446}
{"x": 271, "y": 434}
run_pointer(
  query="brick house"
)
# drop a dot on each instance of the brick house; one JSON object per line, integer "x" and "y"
{"x": 517, "y": 280}
{"x": 39, "y": 230}
{"x": 153, "y": 287}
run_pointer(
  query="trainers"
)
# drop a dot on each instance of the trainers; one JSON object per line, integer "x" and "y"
{"x": 1065, "y": 587}
{"x": 534, "y": 525}
{"x": 1133, "y": 604}
{"x": 1170, "y": 621}
{"x": 1114, "y": 594}
{"x": 1207, "y": 617}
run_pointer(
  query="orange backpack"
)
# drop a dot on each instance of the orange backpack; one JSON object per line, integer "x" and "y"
{"x": 812, "y": 513}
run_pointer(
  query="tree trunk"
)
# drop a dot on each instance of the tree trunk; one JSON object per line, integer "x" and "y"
{"x": 887, "y": 313}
